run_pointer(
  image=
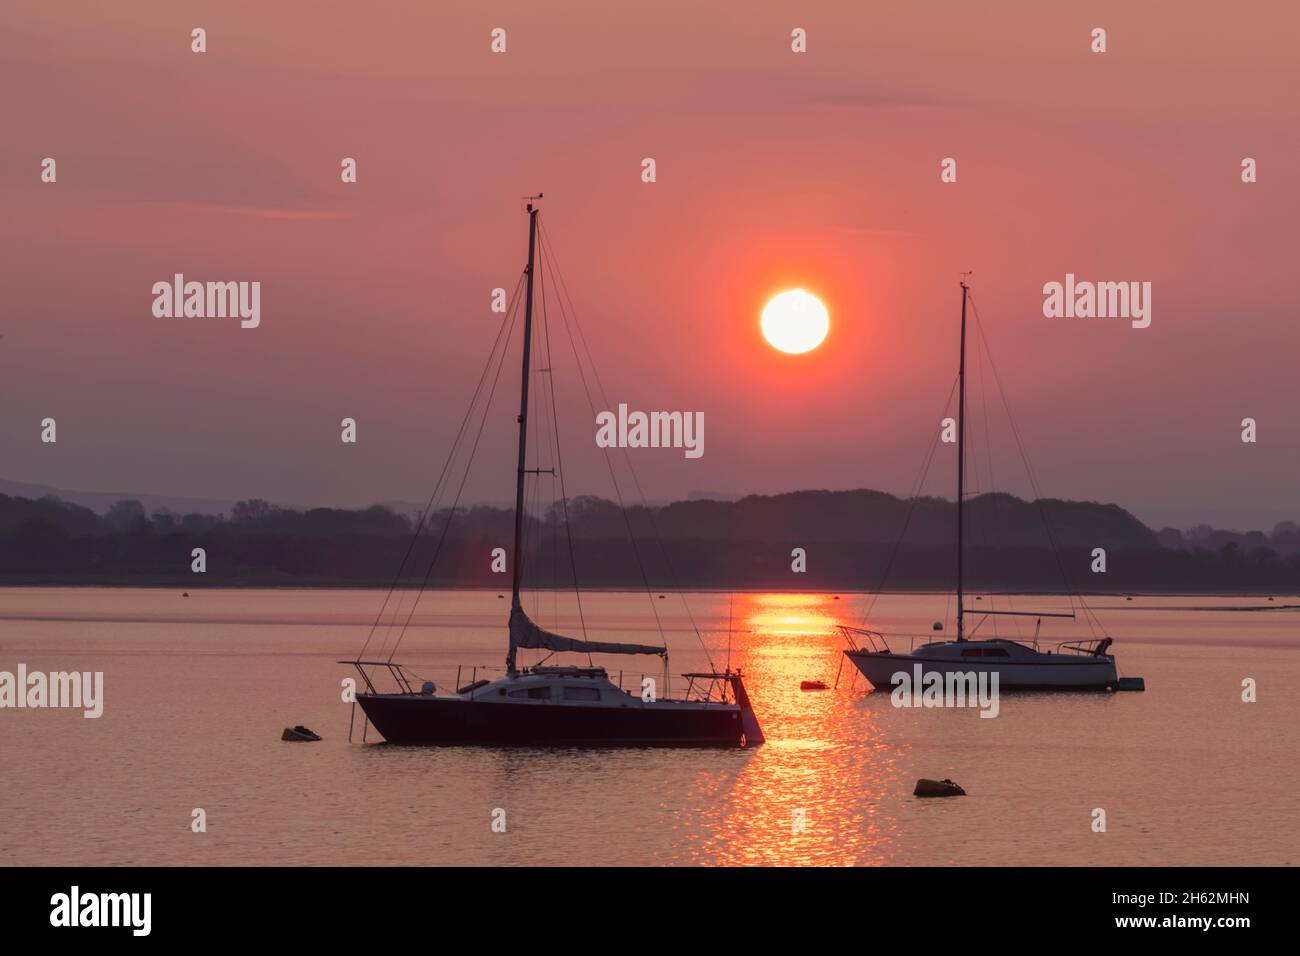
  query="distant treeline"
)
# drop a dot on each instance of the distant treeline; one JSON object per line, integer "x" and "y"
{"x": 850, "y": 538}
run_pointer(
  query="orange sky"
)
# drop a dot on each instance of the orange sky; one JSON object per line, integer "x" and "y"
{"x": 774, "y": 170}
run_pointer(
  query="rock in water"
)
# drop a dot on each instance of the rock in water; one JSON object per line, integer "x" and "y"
{"x": 937, "y": 788}
{"x": 299, "y": 732}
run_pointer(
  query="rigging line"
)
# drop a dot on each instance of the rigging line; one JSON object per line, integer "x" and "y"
{"x": 541, "y": 429}
{"x": 636, "y": 481}
{"x": 428, "y": 508}
{"x": 973, "y": 495}
{"x": 990, "y": 523}
{"x": 427, "y": 515}
{"x": 501, "y": 341}
{"x": 544, "y": 446}
{"x": 561, "y": 293}
{"x": 559, "y": 458}
{"x": 988, "y": 444}
{"x": 455, "y": 504}
{"x": 530, "y": 527}
{"x": 911, "y": 507}
{"x": 1090, "y": 617}
{"x": 622, "y": 505}
{"x": 731, "y": 612}
{"x": 456, "y": 501}
{"x": 673, "y": 581}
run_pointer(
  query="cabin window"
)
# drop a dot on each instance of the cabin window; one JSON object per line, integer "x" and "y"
{"x": 973, "y": 652}
{"x": 582, "y": 693}
{"x": 996, "y": 652}
{"x": 532, "y": 693}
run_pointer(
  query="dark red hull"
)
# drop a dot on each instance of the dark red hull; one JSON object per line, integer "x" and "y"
{"x": 446, "y": 721}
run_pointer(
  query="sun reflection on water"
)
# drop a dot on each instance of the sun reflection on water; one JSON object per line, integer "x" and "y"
{"x": 826, "y": 753}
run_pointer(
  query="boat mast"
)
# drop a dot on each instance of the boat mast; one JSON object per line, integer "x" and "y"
{"x": 523, "y": 429}
{"x": 961, "y": 462}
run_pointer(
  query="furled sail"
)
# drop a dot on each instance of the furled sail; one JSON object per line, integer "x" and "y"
{"x": 524, "y": 633}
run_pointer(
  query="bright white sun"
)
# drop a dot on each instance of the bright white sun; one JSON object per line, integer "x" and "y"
{"x": 795, "y": 321}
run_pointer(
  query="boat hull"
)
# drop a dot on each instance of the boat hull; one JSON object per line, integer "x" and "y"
{"x": 455, "y": 721}
{"x": 1072, "y": 673}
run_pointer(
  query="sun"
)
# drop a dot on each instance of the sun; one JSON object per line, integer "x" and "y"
{"x": 795, "y": 321}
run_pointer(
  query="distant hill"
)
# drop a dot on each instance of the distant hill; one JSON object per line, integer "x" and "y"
{"x": 852, "y": 540}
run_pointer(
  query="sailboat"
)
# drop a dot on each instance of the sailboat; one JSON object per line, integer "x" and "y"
{"x": 553, "y": 705}
{"x": 1070, "y": 665}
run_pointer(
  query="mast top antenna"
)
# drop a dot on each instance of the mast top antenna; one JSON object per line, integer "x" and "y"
{"x": 965, "y": 277}
{"x": 531, "y": 199}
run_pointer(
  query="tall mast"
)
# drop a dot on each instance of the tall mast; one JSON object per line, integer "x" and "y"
{"x": 523, "y": 428}
{"x": 961, "y": 463}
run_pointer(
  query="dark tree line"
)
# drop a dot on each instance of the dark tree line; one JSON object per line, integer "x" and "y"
{"x": 850, "y": 538}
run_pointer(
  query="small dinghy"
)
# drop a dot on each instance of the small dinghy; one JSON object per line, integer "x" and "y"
{"x": 299, "y": 733}
{"x": 812, "y": 685}
{"x": 937, "y": 788}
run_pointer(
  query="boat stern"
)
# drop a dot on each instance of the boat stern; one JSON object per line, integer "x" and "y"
{"x": 748, "y": 719}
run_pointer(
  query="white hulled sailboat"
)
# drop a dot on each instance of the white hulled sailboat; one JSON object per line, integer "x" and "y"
{"x": 1070, "y": 665}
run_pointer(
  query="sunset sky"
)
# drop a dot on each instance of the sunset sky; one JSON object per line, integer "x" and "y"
{"x": 774, "y": 170}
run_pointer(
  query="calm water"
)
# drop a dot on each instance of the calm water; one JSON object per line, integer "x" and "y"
{"x": 198, "y": 689}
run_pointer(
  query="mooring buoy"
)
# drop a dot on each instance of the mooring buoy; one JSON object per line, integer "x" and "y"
{"x": 299, "y": 732}
{"x": 937, "y": 788}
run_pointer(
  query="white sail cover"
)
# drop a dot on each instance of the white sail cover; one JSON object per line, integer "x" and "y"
{"x": 524, "y": 633}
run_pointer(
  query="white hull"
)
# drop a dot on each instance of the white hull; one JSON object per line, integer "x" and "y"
{"x": 1022, "y": 669}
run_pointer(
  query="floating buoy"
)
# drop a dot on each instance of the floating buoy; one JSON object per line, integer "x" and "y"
{"x": 500, "y": 597}
{"x": 812, "y": 685}
{"x": 187, "y": 594}
{"x": 837, "y": 597}
{"x": 1128, "y": 599}
{"x": 661, "y": 597}
{"x": 299, "y": 733}
{"x": 937, "y": 788}
{"x": 1131, "y": 683}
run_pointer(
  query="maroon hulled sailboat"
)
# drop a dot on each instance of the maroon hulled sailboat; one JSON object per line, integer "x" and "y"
{"x": 553, "y": 705}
